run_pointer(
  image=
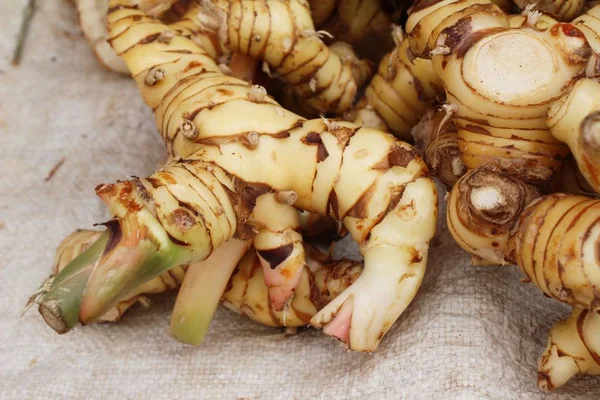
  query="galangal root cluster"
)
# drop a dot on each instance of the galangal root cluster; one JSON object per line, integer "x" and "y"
{"x": 505, "y": 110}
{"x": 521, "y": 120}
{"x": 240, "y": 169}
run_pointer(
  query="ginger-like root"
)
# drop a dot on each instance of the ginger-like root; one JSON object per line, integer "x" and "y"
{"x": 483, "y": 207}
{"x": 400, "y": 260}
{"x": 514, "y": 76}
{"x": 283, "y": 35}
{"x": 186, "y": 88}
{"x": 205, "y": 281}
{"x": 553, "y": 239}
{"x": 435, "y": 137}
{"x": 320, "y": 282}
{"x": 573, "y": 348}
{"x": 575, "y": 120}
{"x": 564, "y": 10}
{"x": 556, "y": 245}
{"x": 400, "y": 93}
{"x": 279, "y": 245}
{"x": 394, "y": 242}
{"x": 375, "y": 184}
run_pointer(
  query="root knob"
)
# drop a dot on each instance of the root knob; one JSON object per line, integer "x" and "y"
{"x": 563, "y": 293}
{"x": 257, "y": 94}
{"x": 189, "y": 130}
{"x": 251, "y": 139}
{"x": 288, "y": 197}
{"x": 154, "y": 75}
{"x": 165, "y": 37}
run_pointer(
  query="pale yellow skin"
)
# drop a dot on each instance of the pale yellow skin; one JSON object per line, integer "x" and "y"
{"x": 555, "y": 245}
{"x": 283, "y": 35}
{"x": 565, "y": 119}
{"x": 375, "y": 184}
{"x": 573, "y": 348}
{"x": 400, "y": 93}
{"x": 502, "y": 84}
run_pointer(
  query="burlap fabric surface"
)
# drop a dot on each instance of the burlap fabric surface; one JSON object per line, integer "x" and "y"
{"x": 470, "y": 333}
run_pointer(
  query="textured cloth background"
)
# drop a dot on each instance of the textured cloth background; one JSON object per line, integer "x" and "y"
{"x": 470, "y": 333}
